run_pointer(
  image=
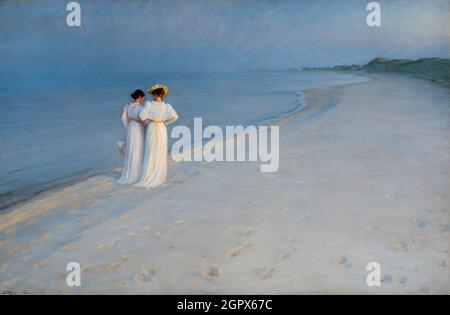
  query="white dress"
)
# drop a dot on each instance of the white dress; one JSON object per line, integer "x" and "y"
{"x": 154, "y": 169}
{"x": 134, "y": 145}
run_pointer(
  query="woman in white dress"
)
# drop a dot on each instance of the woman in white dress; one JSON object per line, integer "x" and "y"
{"x": 134, "y": 145}
{"x": 159, "y": 114}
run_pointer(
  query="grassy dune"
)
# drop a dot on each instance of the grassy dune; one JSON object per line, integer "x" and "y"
{"x": 433, "y": 69}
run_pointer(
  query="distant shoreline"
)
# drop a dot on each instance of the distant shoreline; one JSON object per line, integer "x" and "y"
{"x": 431, "y": 69}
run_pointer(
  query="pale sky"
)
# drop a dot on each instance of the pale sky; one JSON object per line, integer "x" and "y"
{"x": 134, "y": 37}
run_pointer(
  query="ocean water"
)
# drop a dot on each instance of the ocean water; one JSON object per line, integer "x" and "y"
{"x": 54, "y": 134}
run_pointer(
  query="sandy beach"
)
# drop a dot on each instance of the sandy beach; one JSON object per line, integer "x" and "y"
{"x": 363, "y": 177}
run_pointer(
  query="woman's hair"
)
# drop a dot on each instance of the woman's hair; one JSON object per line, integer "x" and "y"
{"x": 158, "y": 92}
{"x": 138, "y": 93}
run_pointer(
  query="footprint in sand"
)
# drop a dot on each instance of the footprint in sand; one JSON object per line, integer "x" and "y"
{"x": 87, "y": 221}
{"x": 89, "y": 269}
{"x": 444, "y": 228}
{"x": 209, "y": 272}
{"x": 247, "y": 230}
{"x": 238, "y": 249}
{"x": 343, "y": 261}
{"x": 289, "y": 239}
{"x": 284, "y": 255}
{"x": 265, "y": 273}
{"x": 144, "y": 275}
{"x": 409, "y": 268}
{"x": 131, "y": 235}
{"x": 125, "y": 216}
{"x": 44, "y": 236}
{"x": 400, "y": 245}
{"x": 235, "y": 252}
{"x": 42, "y": 264}
{"x": 387, "y": 278}
{"x": 64, "y": 248}
{"x": 442, "y": 263}
{"x": 259, "y": 222}
{"x": 371, "y": 228}
{"x": 421, "y": 223}
{"x": 59, "y": 276}
{"x": 424, "y": 289}
{"x": 112, "y": 266}
{"x": 403, "y": 280}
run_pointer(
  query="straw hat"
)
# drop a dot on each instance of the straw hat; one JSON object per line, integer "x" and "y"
{"x": 159, "y": 86}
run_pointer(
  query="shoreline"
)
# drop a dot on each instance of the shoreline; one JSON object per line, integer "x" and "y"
{"x": 336, "y": 202}
{"x": 7, "y": 206}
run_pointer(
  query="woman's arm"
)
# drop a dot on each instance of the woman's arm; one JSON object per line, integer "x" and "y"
{"x": 171, "y": 120}
{"x": 124, "y": 117}
{"x": 172, "y": 116}
{"x": 144, "y": 113}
